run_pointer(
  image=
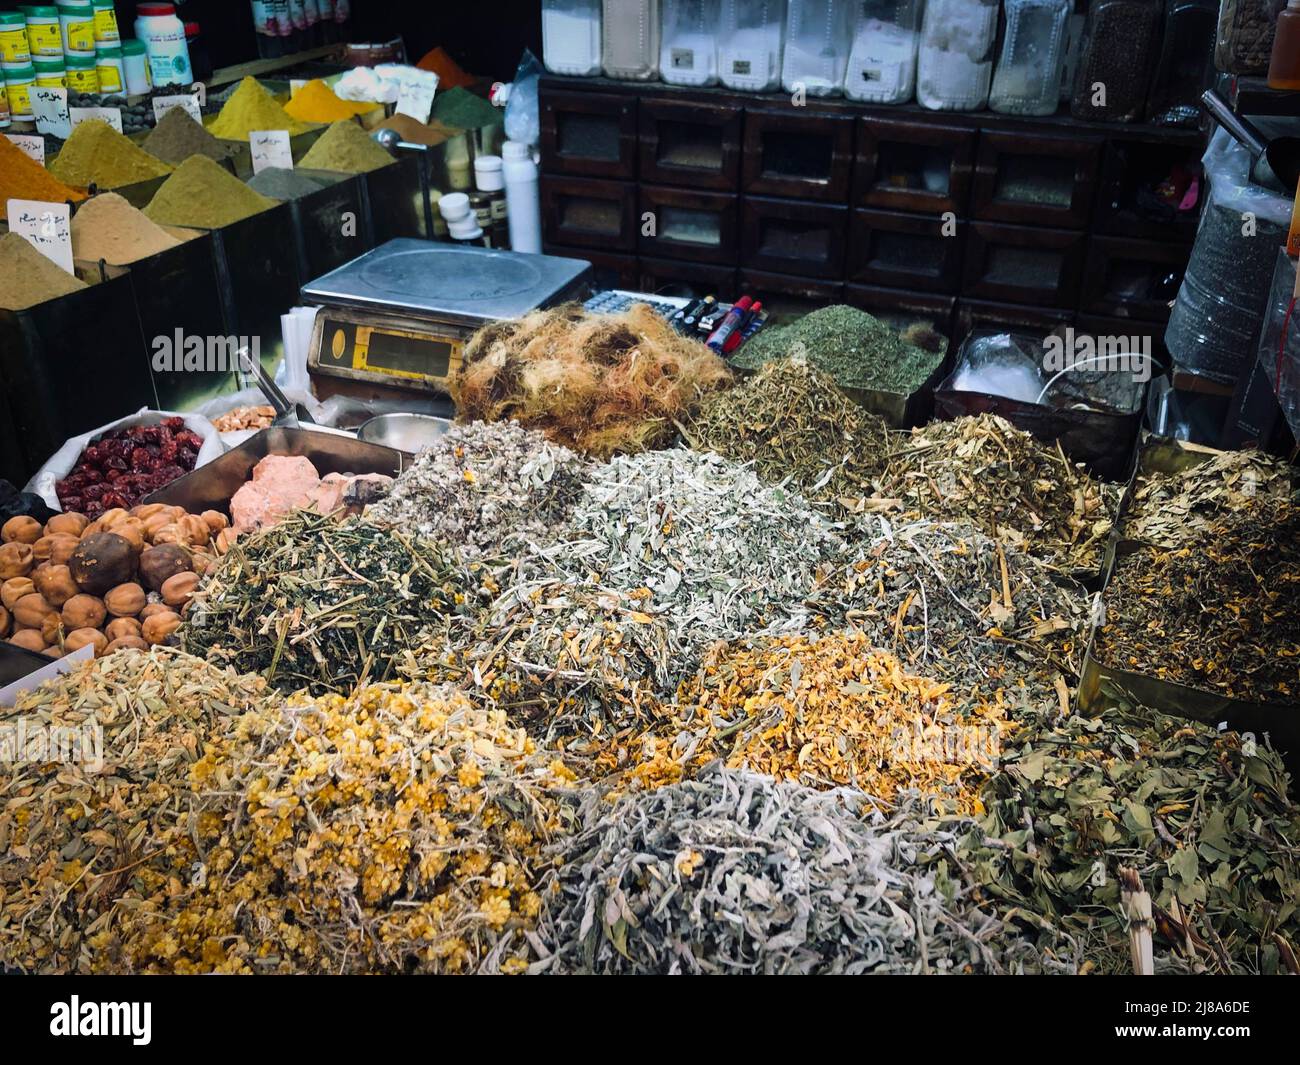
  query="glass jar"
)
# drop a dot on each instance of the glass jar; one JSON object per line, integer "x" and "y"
{"x": 750, "y": 39}
{"x": 1120, "y": 40}
{"x": 1246, "y": 30}
{"x": 882, "y": 58}
{"x": 1185, "y": 64}
{"x": 816, "y": 47}
{"x": 571, "y": 37}
{"x": 631, "y": 39}
{"x": 954, "y": 63}
{"x": 1027, "y": 80}
{"x": 688, "y": 54}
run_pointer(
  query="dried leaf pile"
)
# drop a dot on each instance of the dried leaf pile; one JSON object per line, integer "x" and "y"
{"x": 738, "y": 873}
{"x": 482, "y": 487}
{"x": 319, "y": 603}
{"x": 984, "y": 470}
{"x": 1221, "y": 613}
{"x": 398, "y": 830}
{"x": 797, "y": 428}
{"x": 601, "y": 384}
{"x": 86, "y": 848}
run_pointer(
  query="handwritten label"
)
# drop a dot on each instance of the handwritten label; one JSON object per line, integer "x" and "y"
{"x": 111, "y": 115}
{"x": 163, "y": 104}
{"x": 270, "y": 148}
{"x": 415, "y": 97}
{"x": 50, "y": 106}
{"x": 32, "y": 147}
{"x": 46, "y": 226}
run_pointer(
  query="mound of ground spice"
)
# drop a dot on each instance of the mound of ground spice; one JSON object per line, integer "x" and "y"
{"x": 27, "y": 277}
{"x": 316, "y": 102}
{"x": 204, "y": 195}
{"x": 107, "y": 227}
{"x": 97, "y": 154}
{"x": 251, "y": 108}
{"x": 282, "y": 184}
{"x": 347, "y": 148}
{"x": 177, "y": 136}
{"x": 413, "y": 131}
{"x": 23, "y": 178}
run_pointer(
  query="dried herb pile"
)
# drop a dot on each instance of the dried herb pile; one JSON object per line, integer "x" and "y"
{"x": 797, "y": 428}
{"x": 1170, "y": 509}
{"x": 483, "y": 486}
{"x": 85, "y": 849}
{"x": 398, "y": 830}
{"x": 1203, "y": 818}
{"x": 738, "y": 873}
{"x": 601, "y": 384}
{"x": 320, "y": 603}
{"x": 984, "y": 470}
{"x": 855, "y": 348}
{"x": 1221, "y": 613}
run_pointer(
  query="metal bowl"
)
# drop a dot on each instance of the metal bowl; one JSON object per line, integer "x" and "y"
{"x": 411, "y": 433}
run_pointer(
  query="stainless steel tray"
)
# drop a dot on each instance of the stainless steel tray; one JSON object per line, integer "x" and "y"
{"x": 211, "y": 487}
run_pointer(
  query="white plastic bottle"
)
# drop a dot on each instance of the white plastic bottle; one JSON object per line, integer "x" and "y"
{"x": 688, "y": 54}
{"x": 750, "y": 38}
{"x": 523, "y": 197}
{"x": 816, "y": 47}
{"x": 571, "y": 37}
{"x": 631, "y": 39}
{"x": 163, "y": 35}
{"x": 955, "y": 61}
{"x": 882, "y": 59}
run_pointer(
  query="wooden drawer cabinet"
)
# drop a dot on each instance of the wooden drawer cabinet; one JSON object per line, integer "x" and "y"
{"x": 673, "y": 277}
{"x": 608, "y": 269}
{"x": 696, "y": 145}
{"x": 682, "y": 223}
{"x": 1022, "y": 264}
{"x": 1006, "y": 317}
{"x": 795, "y": 151}
{"x": 586, "y": 212}
{"x": 904, "y": 251}
{"x": 911, "y": 166}
{"x": 1037, "y": 179}
{"x": 589, "y": 134}
{"x": 1132, "y": 278}
{"x": 792, "y": 236}
{"x": 787, "y": 295}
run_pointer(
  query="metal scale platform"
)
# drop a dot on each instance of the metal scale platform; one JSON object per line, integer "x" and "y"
{"x": 394, "y": 321}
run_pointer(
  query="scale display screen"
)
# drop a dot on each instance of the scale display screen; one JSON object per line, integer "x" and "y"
{"x": 403, "y": 353}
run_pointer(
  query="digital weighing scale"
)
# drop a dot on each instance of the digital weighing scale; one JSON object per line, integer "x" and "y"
{"x": 393, "y": 322}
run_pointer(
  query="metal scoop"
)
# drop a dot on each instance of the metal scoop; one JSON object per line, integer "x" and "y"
{"x": 286, "y": 412}
{"x": 1276, "y": 162}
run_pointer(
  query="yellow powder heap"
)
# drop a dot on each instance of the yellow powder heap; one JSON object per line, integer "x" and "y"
{"x": 252, "y": 108}
{"x": 316, "y": 102}
{"x": 347, "y": 148}
{"x": 205, "y": 195}
{"x": 97, "y": 154}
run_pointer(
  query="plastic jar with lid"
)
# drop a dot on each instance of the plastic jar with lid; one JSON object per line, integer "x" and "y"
{"x": 13, "y": 38}
{"x": 1027, "y": 80}
{"x": 1186, "y": 62}
{"x": 1119, "y": 46}
{"x": 954, "y": 64}
{"x": 50, "y": 72}
{"x": 4, "y": 106}
{"x": 110, "y": 69}
{"x": 688, "y": 51}
{"x": 750, "y": 39}
{"x": 135, "y": 62}
{"x": 106, "y": 31}
{"x": 816, "y": 46}
{"x": 630, "y": 48}
{"x": 571, "y": 37}
{"x": 78, "y": 29}
{"x": 44, "y": 36}
{"x": 163, "y": 35}
{"x": 82, "y": 75}
{"x": 882, "y": 59}
{"x": 18, "y": 85}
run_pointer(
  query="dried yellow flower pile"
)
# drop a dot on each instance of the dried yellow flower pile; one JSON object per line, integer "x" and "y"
{"x": 825, "y": 712}
{"x": 87, "y": 844}
{"x": 393, "y": 831}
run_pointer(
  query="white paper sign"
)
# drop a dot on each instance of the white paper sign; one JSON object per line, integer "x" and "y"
{"x": 295, "y": 84}
{"x": 50, "y": 106}
{"x": 31, "y": 146}
{"x": 111, "y": 115}
{"x": 163, "y": 104}
{"x": 270, "y": 147}
{"x": 415, "y": 97}
{"x": 47, "y": 227}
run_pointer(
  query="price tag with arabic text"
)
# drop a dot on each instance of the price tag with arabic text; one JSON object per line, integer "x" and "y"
{"x": 270, "y": 148}
{"x": 111, "y": 115}
{"x": 32, "y": 147}
{"x": 50, "y": 106}
{"x": 163, "y": 104}
{"x": 46, "y": 226}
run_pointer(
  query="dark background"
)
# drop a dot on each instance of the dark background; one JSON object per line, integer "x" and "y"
{"x": 486, "y": 37}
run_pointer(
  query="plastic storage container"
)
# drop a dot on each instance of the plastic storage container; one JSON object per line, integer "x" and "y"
{"x": 77, "y": 27}
{"x": 630, "y": 45}
{"x": 81, "y": 73}
{"x": 1185, "y": 64}
{"x": 163, "y": 35}
{"x": 1246, "y": 31}
{"x": 18, "y": 86}
{"x": 106, "y": 29}
{"x": 135, "y": 63}
{"x": 750, "y": 40}
{"x": 1119, "y": 47}
{"x": 50, "y": 72}
{"x": 816, "y": 47}
{"x": 13, "y": 38}
{"x": 110, "y": 68}
{"x": 1027, "y": 80}
{"x": 44, "y": 36}
{"x": 1284, "y": 67}
{"x": 4, "y": 107}
{"x": 882, "y": 58}
{"x": 571, "y": 37}
{"x": 955, "y": 61}
{"x": 688, "y": 51}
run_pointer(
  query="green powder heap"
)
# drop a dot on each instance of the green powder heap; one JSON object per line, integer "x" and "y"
{"x": 346, "y": 147}
{"x": 204, "y": 195}
{"x": 461, "y": 109}
{"x": 177, "y": 136}
{"x": 97, "y": 154}
{"x": 856, "y": 349}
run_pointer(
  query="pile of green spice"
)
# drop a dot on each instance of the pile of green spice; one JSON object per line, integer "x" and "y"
{"x": 97, "y": 154}
{"x": 204, "y": 195}
{"x": 461, "y": 109}
{"x": 348, "y": 148}
{"x": 856, "y": 349}
{"x": 177, "y": 136}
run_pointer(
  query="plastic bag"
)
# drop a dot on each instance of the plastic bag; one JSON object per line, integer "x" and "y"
{"x": 522, "y": 120}
{"x": 252, "y": 397}
{"x": 60, "y": 464}
{"x": 16, "y": 504}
